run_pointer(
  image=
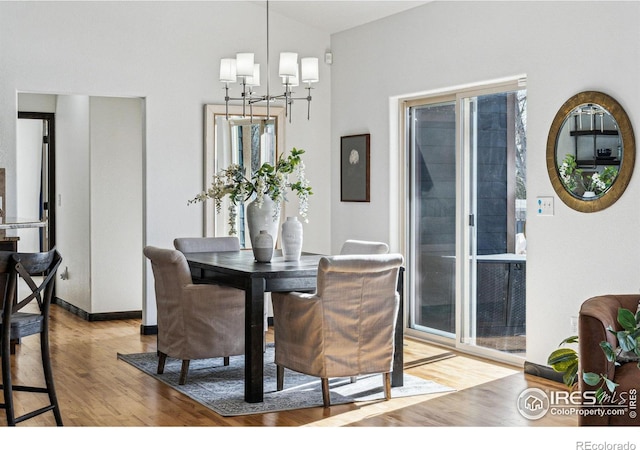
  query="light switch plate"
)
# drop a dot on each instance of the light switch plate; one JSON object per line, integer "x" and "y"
{"x": 544, "y": 206}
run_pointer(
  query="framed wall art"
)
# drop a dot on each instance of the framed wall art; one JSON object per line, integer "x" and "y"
{"x": 354, "y": 168}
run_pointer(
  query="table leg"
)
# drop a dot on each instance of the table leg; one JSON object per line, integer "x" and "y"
{"x": 397, "y": 376}
{"x": 254, "y": 335}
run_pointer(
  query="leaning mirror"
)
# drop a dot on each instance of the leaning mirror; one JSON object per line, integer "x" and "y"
{"x": 590, "y": 151}
{"x": 232, "y": 137}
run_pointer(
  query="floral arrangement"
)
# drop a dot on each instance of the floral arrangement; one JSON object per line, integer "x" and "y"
{"x": 569, "y": 172}
{"x": 572, "y": 177}
{"x": 269, "y": 180}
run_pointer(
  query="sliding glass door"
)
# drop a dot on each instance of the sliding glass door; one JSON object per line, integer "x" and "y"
{"x": 466, "y": 203}
{"x": 433, "y": 216}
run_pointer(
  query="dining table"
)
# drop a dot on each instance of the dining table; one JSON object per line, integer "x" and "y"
{"x": 240, "y": 270}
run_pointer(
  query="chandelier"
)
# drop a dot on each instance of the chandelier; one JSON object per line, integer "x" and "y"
{"x": 243, "y": 70}
{"x": 592, "y": 112}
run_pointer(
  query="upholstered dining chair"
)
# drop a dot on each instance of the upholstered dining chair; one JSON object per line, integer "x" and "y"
{"x": 218, "y": 244}
{"x": 195, "y": 321}
{"x": 346, "y": 328}
{"x": 207, "y": 244}
{"x": 24, "y": 314}
{"x": 358, "y": 247}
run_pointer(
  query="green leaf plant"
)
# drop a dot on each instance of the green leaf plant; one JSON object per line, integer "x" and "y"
{"x": 566, "y": 361}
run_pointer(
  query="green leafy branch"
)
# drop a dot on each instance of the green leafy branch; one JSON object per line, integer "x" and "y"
{"x": 566, "y": 360}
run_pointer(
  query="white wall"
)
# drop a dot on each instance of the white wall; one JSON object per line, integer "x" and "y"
{"x": 73, "y": 189}
{"x": 99, "y": 188}
{"x": 167, "y": 53}
{"x": 445, "y": 44}
{"x": 116, "y": 200}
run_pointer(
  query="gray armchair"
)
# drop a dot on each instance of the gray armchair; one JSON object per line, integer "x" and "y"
{"x": 346, "y": 328}
{"x": 357, "y": 247}
{"x": 195, "y": 321}
{"x": 218, "y": 244}
{"x": 207, "y": 244}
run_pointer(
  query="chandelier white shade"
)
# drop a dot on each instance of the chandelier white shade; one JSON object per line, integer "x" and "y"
{"x": 288, "y": 64}
{"x": 228, "y": 70}
{"x": 244, "y": 70}
{"x": 244, "y": 64}
{"x": 309, "y": 70}
{"x": 231, "y": 69}
{"x": 254, "y": 79}
{"x": 292, "y": 79}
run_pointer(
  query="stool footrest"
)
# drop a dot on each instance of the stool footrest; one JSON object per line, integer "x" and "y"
{"x": 32, "y": 414}
{"x": 40, "y": 390}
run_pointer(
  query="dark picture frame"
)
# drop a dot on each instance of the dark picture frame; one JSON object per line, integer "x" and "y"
{"x": 355, "y": 168}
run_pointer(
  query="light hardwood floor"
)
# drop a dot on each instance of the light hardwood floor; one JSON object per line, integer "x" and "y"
{"x": 96, "y": 389}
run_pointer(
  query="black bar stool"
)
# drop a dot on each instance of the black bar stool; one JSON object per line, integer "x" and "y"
{"x": 16, "y": 324}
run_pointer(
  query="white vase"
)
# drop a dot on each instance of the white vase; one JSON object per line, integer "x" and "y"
{"x": 262, "y": 218}
{"x": 292, "y": 239}
{"x": 262, "y": 247}
{"x": 589, "y": 194}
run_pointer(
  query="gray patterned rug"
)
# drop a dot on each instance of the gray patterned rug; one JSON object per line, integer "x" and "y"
{"x": 221, "y": 388}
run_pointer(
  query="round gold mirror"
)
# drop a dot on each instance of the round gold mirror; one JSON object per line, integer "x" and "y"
{"x": 590, "y": 151}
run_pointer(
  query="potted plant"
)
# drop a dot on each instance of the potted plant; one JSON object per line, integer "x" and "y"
{"x": 566, "y": 360}
{"x": 268, "y": 184}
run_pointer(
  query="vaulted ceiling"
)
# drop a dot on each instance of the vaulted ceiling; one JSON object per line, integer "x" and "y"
{"x": 334, "y": 16}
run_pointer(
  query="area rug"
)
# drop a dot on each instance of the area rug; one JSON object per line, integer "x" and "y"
{"x": 221, "y": 388}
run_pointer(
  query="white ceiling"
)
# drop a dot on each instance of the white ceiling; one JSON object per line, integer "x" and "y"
{"x": 333, "y": 16}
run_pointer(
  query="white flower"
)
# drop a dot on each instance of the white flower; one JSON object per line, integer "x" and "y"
{"x": 596, "y": 183}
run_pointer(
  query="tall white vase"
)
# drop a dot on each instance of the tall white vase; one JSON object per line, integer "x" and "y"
{"x": 292, "y": 239}
{"x": 262, "y": 218}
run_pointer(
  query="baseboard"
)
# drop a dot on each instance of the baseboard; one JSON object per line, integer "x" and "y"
{"x": 89, "y": 317}
{"x": 542, "y": 371}
{"x": 148, "y": 329}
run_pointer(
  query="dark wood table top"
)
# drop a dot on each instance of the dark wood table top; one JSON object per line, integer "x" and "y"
{"x": 243, "y": 263}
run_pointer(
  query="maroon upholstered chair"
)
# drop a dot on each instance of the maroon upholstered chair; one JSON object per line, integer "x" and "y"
{"x": 596, "y": 315}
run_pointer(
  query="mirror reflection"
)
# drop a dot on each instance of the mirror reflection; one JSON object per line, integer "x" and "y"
{"x": 589, "y": 151}
{"x": 247, "y": 141}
